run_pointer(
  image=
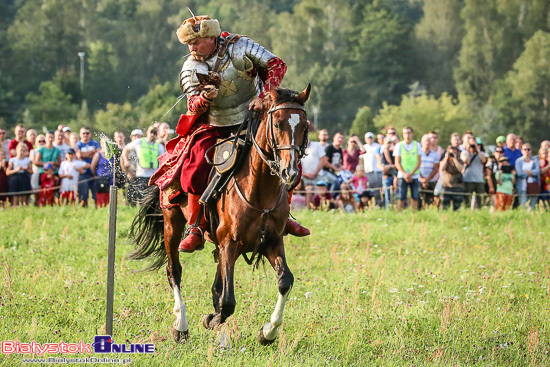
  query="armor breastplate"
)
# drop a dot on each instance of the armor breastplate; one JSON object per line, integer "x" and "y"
{"x": 237, "y": 88}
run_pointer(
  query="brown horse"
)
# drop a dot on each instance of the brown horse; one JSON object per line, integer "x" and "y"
{"x": 252, "y": 211}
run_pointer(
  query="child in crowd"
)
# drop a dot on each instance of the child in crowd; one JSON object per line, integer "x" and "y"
{"x": 47, "y": 184}
{"x": 364, "y": 200}
{"x": 506, "y": 180}
{"x": 310, "y": 193}
{"x": 323, "y": 200}
{"x": 19, "y": 172}
{"x": 346, "y": 201}
{"x": 69, "y": 172}
{"x": 4, "y": 183}
{"x": 359, "y": 182}
{"x": 298, "y": 197}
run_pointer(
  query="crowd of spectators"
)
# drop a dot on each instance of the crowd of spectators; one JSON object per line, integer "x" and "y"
{"x": 397, "y": 172}
{"x": 62, "y": 167}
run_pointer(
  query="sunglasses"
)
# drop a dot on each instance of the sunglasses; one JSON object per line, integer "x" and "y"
{"x": 499, "y": 151}
{"x": 86, "y": 133}
{"x": 2, "y": 133}
{"x": 42, "y": 141}
{"x": 391, "y": 132}
{"x": 528, "y": 149}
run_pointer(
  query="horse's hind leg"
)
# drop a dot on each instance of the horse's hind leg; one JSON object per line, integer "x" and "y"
{"x": 276, "y": 256}
{"x": 223, "y": 293}
{"x": 174, "y": 224}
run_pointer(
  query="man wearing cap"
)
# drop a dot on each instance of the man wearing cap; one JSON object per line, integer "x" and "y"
{"x": 146, "y": 151}
{"x": 501, "y": 141}
{"x": 219, "y": 96}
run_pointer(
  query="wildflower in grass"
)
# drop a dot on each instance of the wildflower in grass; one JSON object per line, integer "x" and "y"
{"x": 308, "y": 294}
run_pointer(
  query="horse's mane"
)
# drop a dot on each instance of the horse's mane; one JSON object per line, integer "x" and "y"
{"x": 285, "y": 95}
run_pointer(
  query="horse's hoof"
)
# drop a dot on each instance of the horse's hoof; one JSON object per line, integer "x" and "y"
{"x": 263, "y": 340}
{"x": 207, "y": 319}
{"x": 180, "y": 336}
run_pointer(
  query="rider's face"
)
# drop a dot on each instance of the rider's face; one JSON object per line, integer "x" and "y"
{"x": 202, "y": 47}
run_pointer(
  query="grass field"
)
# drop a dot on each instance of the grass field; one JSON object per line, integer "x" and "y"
{"x": 379, "y": 288}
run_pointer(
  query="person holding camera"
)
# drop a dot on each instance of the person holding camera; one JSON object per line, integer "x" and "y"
{"x": 451, "y": 167}
{"x": 506, "y": 180}
{"x": 474, "y": 168}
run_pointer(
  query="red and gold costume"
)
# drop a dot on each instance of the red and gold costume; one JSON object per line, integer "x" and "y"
{"x": 246, "y": 72}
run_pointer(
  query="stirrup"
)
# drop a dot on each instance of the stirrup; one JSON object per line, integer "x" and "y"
{"x": 190, "y": 227}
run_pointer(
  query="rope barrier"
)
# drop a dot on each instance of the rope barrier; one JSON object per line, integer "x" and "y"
{"x": 37, "y": 191}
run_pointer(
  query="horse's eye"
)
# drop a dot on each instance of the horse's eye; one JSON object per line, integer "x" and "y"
{"x": 276, "y": 125}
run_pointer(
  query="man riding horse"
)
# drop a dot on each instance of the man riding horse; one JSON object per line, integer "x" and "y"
{"x": 226, "y": 76}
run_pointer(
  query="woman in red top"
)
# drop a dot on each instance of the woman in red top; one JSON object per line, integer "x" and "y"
{"x": 352, "y": 152}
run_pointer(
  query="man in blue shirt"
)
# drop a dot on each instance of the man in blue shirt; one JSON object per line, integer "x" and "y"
{"x": 510, "y": 150}
{"x": 85, "y": 151}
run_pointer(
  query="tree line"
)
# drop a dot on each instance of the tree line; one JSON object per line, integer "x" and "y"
{"x": 433, "y": 64}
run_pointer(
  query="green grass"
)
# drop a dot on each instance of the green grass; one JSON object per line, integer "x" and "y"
{"x": 387, "y": 289}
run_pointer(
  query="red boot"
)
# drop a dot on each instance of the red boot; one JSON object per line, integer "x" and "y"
{"x": 194, "y": 239}
{"x": 292, "y": 227}
{"x": 296, "y": 229}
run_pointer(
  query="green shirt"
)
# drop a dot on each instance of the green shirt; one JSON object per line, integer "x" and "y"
{"x": 507, "y": 186}
{"x": 48, "y": 155}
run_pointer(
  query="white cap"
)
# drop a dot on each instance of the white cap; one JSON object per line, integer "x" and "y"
{"x": 66, "y": 128}
{"x": 137, "y": 132}
{"x": 369, "y": 135}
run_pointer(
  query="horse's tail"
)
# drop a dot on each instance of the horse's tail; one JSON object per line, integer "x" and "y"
{"x": 147, "y": 230}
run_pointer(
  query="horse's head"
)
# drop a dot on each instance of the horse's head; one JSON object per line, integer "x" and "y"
{"x": 287, "y": 131}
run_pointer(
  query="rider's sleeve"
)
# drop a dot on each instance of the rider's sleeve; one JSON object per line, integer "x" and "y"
{"x": 273, "y": 76}
{"x": 270, "y": 68}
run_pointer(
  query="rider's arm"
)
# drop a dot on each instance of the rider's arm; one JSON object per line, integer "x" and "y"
{"x": 270, "y": 68}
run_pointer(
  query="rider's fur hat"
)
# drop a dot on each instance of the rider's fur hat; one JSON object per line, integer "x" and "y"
{"x": 198, "y": 26}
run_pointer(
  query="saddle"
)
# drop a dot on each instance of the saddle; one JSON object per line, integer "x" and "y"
{"x": 228, "y": 157}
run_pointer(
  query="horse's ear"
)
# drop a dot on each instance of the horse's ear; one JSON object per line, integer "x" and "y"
{"x": 273, "y": 93}
{"x": 304, "y": 95}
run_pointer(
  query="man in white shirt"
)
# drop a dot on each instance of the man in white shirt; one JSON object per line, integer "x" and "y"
{"x": 315, "y": 162}
{"x": 59, "y": 143}
{"x": 373, "y": 172}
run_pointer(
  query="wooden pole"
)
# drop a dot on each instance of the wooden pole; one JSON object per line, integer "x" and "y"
{"x": 111, "y": 254}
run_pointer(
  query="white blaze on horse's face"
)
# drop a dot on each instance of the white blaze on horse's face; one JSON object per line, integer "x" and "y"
{"x": 289, "y": 169}
{"x": 293, "y": 121}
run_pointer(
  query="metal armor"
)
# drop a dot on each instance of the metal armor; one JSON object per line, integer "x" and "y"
{"x": 237, "y": 88}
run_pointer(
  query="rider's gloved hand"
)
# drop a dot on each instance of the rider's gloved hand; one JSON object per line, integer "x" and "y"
{"x": 256, "y": 105}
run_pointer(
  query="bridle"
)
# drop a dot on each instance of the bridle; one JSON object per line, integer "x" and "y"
{"x": 275, "y": 163}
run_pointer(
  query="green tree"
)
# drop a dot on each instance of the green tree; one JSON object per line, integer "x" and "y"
{"x": 438, "y": 40}
{"x": 363, "y": 122}
{"x": 445, "y": 115}
{"x": 383, "y": 58}
{"x": 116, "y": 118}
{"x": 524, "y": 95}
{"x": 49, "y": 108}
{"x": 157, "y": 102}
{"x": 101, "y": 82}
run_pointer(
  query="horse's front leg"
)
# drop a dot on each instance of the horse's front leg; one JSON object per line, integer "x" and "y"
{"x": 174, "y": 224}
{"x": 276, "y": 256}
{"x": 223, "y": 292}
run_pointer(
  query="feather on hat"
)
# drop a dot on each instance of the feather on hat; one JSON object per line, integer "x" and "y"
{"x": 198, "y": 26}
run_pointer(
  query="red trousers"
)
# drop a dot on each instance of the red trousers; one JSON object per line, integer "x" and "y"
{"x": 195, "y": 169}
